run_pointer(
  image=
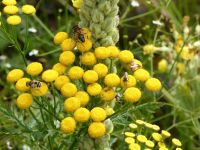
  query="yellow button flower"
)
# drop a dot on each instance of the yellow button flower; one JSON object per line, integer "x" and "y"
{"x": 141, "y": 74}
{"x": 140, "y": 122}
{"x": 68, "y": 90}
{"x": 112, "y": 80}
{"x": 153, "y": 84}
{"x": 101, "y": 69}
{"x": 21, "y": 84}
{"x": 157, "y": 137}
{"x": 149, "y": 144}
{"x": 49, "y": 75}
{"x": 107, "y": 94}
{"x": 82, "y": 115}
{"x": 161, "y": 144}
{"x": 109, "y": 110}
{"x": 148, "y": 49}
{"x": 126, "y": 56}
{"x": 10, "y": 9}
{"x": 24, "y": 101}
{"x": 60, "y": 37}
{"x": 98, "y": 114}
{"x": 9, "y": 2}
{"x": 83, "y": 97}
{"x": 155, "y": 127}
{"x": 133, "y": 126}
{"x": 41, "y": 91}
{"x": 129, "y": 140}
{"x": 96, "y": 130}
{"x": 68, "y": 125}
{"x": 71, "y": 104}
{"x": 84, "y": 46}
{"x": 162, "y": 65}
{"x": 28, "y": 9}
{"x": 67, "y": 58}
{"x": 114, "y": 51}
{"x": 60, "y": 68}
{"x": 141, "y": 138}
{"x": 132, "y": 94}
{"x": 14, "y": 20}
{"x": 75, "y": 73}
{"x": 165, "y": 134}
{"x": 163, "y": 148}
{"x": 134, "y": 146}
{"x": 176, "y": 142}
{"x": 77, "y": 3}
{"x": 101, "y": 52}
{"x": 68, "y": 45}
{"x": 34, "y": 68}
{"x": 88, "y": 59}
{"x": 90, "y": 76}
{"x": 60, "y": 81}
{"x": 14, "y": 75}
{"x": 129, "y": 82}
{"x": 129, "y": 134}
{"x": 94, "y": 89}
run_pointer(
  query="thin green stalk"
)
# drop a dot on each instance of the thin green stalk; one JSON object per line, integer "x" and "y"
{"x": 54, "y": 98}
{"x": 33, "y": 115}
{"x": 48, "y": 53}
{"x": 26, "y": 36}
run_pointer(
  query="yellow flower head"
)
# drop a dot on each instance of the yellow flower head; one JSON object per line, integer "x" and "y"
{"x": 132, "y": 94}
{"x": 148, "y": 49}
{"x": 83, "y": 97}
{"x": 88, "y": 59}
{"x": 101, "y": 69}
{"x": 165, "y": 133}
{"x": 90, "y": 76}
{"x": 162, "y": 65}
{"x": 107, "y": 94}
{"x": 134, "y": 146}
{"x": 140, "y": 122}
{"x": 71, "y": 104}
{"x": 149, "y": 144}
{"x": 157, "y": 137}
{"x": 141, "y": 138}
{"x": 75, "y": 73}
{"x": 77, "y": 3}
{"x": 87, "y": 33}
{"x": 176, "y": 142}
{"x": 129, "y": 82}
{"x": 34, "y": 68}
{"x": 114, "y": 51}
{"x": 41, "y": 91}
{"x": 49, "y": 75}
{"x": 60, "y": 68}
{"x": 21, "y": 84}
{"x": 126, "y": 56}
{"x": 14, "y": 20}
{"x": 84, "y": 46}
{"x": 60, "y": 37}
{"x": 68, "y": 90}
{"x": 82, "y": 115}
{"x": 96, "y": 130}
{"x": 109, "y": 110}
{"x": 180, "y": 68}
{"x": 94, "y": 89}
{"x": 133, "y": 126}
{"x": 129, "y": 140}
{"x": 10, "y": 9}
{"x": 112, "y": 80}
{"x": 24, "y": 101}
{"x": 14, "y": 75}
{"x": 98, "y": 114}
{"x": 68, "y": 125}
{"x": 155, "y": 127}
{"x": 129, "y": 134}
{"x": 68, "y": 45}
{"x": 141, "y": 74}
{"x": 28, "y": 9}
{"x": 9, "y": 2}
{"x": 101, "y": 53}
{"x": 60, "y": 81}
{"x": 153, "y": 84}
{"x": 67, "y": 58}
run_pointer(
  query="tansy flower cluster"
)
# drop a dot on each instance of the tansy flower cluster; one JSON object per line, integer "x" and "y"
{"x": 11, "y": 10}
{"x": 143, "y": 135}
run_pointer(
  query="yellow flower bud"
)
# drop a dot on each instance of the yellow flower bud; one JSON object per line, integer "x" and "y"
{"x": 34, "y": 68}
{"x": 101, "y": 69}
{"x": 9, "y": 2}
{"x": 84, "y": 46}
{"x": 24, "y": 101}
{"x": 88, "y": 59}
{"x": 83, "y": 97}
{"x": 107, "y": 94}
{"x": 28, "y": 9}
{"x": 60, "y": 68}
{"x": 112, "y": 80}
{"x": 68, "y": 125}
{"x": 41, "y": 91}
{"x": 96, "y": 130}
{"x": 114, "y": 51}
{"x": 141, "y": 74}
{"x": 67, "y": 58}
{"x": 94, "y": 89}
{"x": 49, "y": 75}
{"x": 126, "y": 56}
{"x": 101, "y": 52}
{"x": 90, "y": 76}
{"x": 129, "y": 82}
{"x": 60, "y": 81}
{"x": 10, "y": 9}
{"x": 75, "y": 73}
{"x": 14, "y": 75}
{"x": 71, "y": 104}
{"x": 68, "y": 90}
{"x": 153, "y": 84}
{"x": 60, "y": 37}
{"x": 21, "y": 84}
{"x": 132, "y": 94}
{"x": 68, "y": 45}
{"x": 98, "y": 114}
{"x": 82, "y": 115}
{"x": 162, "y": 65}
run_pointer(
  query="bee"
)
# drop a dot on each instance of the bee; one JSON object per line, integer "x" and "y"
{"x": 33, "y": 84}
{"x": 125, "y": 77}
{"x": 78, "y": 34}
{"x": 134, "y": 66}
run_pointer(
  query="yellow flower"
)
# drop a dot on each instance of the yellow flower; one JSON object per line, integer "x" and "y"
{"x": 28, "y": 9}
{"x": 88, "y": 59}
{"x": 149, "y": 144}
{"x": 98, "y": 114}
{"x": 84, "y": 46}
{"x": 96, "y": 130}
{"x": 148, "y": 49}
{"x": 49, "y": 75}
{"x": 68, "y": 90}
{"x": 141, "y": 74}
{"x": 157, "y": 137}
{"x": 68, "y": 125}
{"x": 60, "y": 37}
{"x": 60, "y": 68}
{"x": 82, "y": 115}
{"x": 101, "y": 53}
{"x": 94, "y": 89}
{"x": 90, "y": 76}
{"x": 87, "y": 33}
{"x": 68, "y": 45}
{"x": 161, "y": 144}
{"x": 178, "y": 148}
{"x": 162, "y": 65}
{"x": 109, "y": 110}
{"x": 107, "y": 94}
{"x": 180, "y": 67}
{"x": 134, "y": 146}
{"x": 141, "y": 138}
{"x": 34, "y": 68}
{"x": 75, "y": 73}
{"x": 21, "y": 84}
{"x": 14, "y": 75}
{"x": 129, "y": 134}
{"x": 153, "y": 84}
{"x": 83, "y": 97}
{"x": 114, "y": 51}
{"x": 176, "y": 142}
{"x": 163, "y": 148}
{"x": 126, "y": 56}
{"x": 101, "y": 69}
{"x": 77, "y": 3}
{"x": 186, "y": 54}
{"x": 10, "y": 9}
{"x": 129, "y": 140}
{"x": 67, "y": 58}
{"x": 71, "y": 104}
{"x": 140, "y": 122}
{"x": 112, "y": 80}
{"x": 130, "y": 82}
{"x": 24, "y": 101}
{"x": 60, "y": 81}
{"x": 155, "y": 127}
{"x": 9, "y": 2}
{"x": 14, "y": 20}
{"x": 165, "y": 133}
{"x": 133, "y": 126}
{"x": 41, "y": 91}
{"x": 132, "y": 94}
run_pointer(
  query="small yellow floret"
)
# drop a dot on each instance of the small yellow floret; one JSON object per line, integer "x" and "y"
{"x": 134, "y": 146}
{"x": 68, "y": 90}
{"x": 60, "y": 68}
{"x": 9, "y": 2}
{"x": 68, "y": 125}
{"x": 165, "y": 133}
{"x": 60, "y": 37}
{"x": 94, "y": 89}
{"x": 14, "y": 20}
{"x": 176, "y": 142}
{"x": 149, "y": 144}
{"x": 126, "y": 56}
{"x": 141, "y": 74}
{"x": 68, "y": 45}
{"x": 132, "y": 94}
{"x": 114, "y": 51}
{"x": 157, "y": 137}
{"x": 41, "y": 91}
{"x": 71, "y": 104}
{"x": 98, "y": 114}
{"x": 77, "y": 3}
{"x": 82, "y": 115}
{"x": 133, "y": 126}
{"x": 75, "y": 73}
{"x": 14, "y": 75}
{"x": 129, "y": 140}
{"x": 60, "y": 81}
{"x": 129, "y": 82}
{"x": 49, "y": 75}
{"x": 10, "y": 9}
{"x": 96, "y": 130}
{"x": 129, "y": 134}
{"x": 88, "y": 59}
{"x": 34, "y": 68}
{"x": 101, "y": 52}
{"x": 24, "y": 101}
{"x": 101, "y": 69}
{"x": 90, "y": 76}
{"x": 107, "y": 94}
{"x": 84, "y": 46}
{"x": 162, "y": 65}
{"x": 83, "y": 97}
{"x": 28, "y": 9}
{"x": 153, "y": 84}
{"x": 21, "y": 84}
{"x": 112, "y": 80}
{"x": 109, "y": 110}
{"x": 67, "y": 58}
{"x": 148, "y": 49}
{"x": 141, "y": 138}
